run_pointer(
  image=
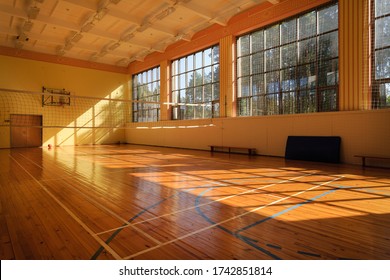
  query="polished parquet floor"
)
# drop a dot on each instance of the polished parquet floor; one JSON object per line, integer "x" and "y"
{"x": 140, "y": 202}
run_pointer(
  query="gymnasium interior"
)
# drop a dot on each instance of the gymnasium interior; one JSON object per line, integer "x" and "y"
{"x": 194, "y": 130}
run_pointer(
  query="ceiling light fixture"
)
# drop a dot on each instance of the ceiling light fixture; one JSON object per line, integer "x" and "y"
{"x": 27, "y": 26}
{"x": 114, "y": 46}
{"x": 87, "y": 27}
{"x": 165, "y": 13}
{"x": 32, "y": 12}
{"x": 22, "y": 37}
{"x": 60, "y": 51}
{"x": 144, "y": 26}
{"x": 127, "y": 37}
{"x": 101, "y": 13}
{"x": 77, "y": 37}
{"x": 68, "y": 46}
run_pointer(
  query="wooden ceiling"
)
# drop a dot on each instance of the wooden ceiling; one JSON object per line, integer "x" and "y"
{"x": 114, "y": 32}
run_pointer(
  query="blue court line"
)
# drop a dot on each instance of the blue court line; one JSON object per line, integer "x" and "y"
{"x": 309, "y": 254}
{"x": 250, "y": 241}
{"x": 101, "y": 248}
{"x": 288, "y": 209}
{"x": 274, "y": 246}
{"x": 247, "y": 240}
{"x": 108, "y": 240}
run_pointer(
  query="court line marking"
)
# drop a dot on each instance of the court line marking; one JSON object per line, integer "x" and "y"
{"x": 74, "y": 216}
{"x": 119, "y": 229}
{"x": 227, "y": 220}
{"x": 101, "y": 206}
{"x": 252, "y": 242}
{"x": 214, "y": 201}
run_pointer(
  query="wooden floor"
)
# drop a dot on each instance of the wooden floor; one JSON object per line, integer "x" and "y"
{"x": 136, "y": 202}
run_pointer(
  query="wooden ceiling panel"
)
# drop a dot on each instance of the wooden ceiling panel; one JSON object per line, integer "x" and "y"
{"x": 108, "y": 31}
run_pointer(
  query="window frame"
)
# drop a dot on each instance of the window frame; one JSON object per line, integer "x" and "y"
{"x": 146, "y": 108}
{"x": 272, "y": 101}
{"x": 377, "y": 83}
{"x": 198, "y": 99}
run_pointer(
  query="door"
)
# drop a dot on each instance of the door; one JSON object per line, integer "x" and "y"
{"x": 26, "y": 131}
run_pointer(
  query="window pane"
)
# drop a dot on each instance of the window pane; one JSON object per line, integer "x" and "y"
{"x": 382, "y": 32}
{"x": 198, "y": 94}
{"x": 258, "y": 84}
{"x": 289, "y": 55}
{"x": 328, "y": 73}
{"x": 189, "y": 96}
{"x": 288, "y": 79}
{"x": 244, "y": 107}
{"x": 382, "y": 63}
{"x": 198, "y": 60}
{"x": 216, "y": 91}
{"x": 243, "y": 66}
{"x": 384, "y": 95}
{"x": 307, "y": 51}
{"x": 272, "y": 104}
{"x": 243, "y": 87}
{"x": 258, "y": 63}
{"x": 198, "y": 77}
{"x": 190, "y": 63}
{"x": 207, "y": 110}
{"x": 328, "y": 19}
{"x": 182, "y": 81}
{"x": 306, "y": 76}
{"x": 207, "y": 57}
{"x": 215, "y": 54}
{"x": 215, "y": 110}
{"x": 243, "y": 45}
{"x": 182, "y": 65}
{"x": 257, "y": 41}
{"x": 288, "y": 101}
{"x": 272, "y": 82}
{"x": 208, "y": 93}
{"x": 328, "y": 46}
{"x": 258, "y": 105}
{"x": 382, "y": 7}
{"x": 272, "y": 37}
{"x": 272, "y": 59}
{"x": 207, "y": 74}
{"x": 307, "y": 25}
{"x": 328, "y": 101}
{"x": 216, "y": 73}
{"x": 289, "y": 31}
{"x": 307, "y": 101}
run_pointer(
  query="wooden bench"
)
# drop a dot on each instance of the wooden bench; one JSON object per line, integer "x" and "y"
{"x": 363, "y": 157}
{"x": 251, "y": 151}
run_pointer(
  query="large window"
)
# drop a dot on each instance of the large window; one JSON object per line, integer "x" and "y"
{"x": 146, "y": 96}
{"x": 195, "y": 85}
{"x": 290, "y": 67}
{"x": 381, "y": 63}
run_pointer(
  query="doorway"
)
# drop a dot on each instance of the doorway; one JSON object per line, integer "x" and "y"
{"x": 26, "y": 131}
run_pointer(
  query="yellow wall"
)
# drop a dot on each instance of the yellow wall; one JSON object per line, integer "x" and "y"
{"x": 31, "y": 75}
{"x": 361, "y": 132}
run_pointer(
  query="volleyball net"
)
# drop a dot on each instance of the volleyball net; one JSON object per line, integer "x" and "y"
{"x": 60, "y": 109}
